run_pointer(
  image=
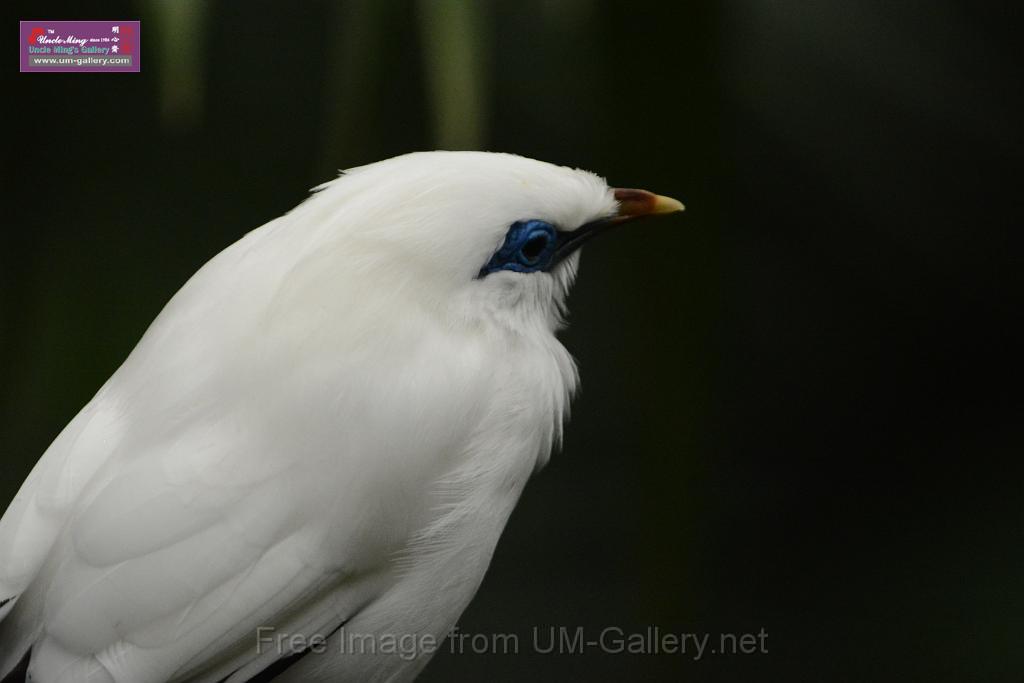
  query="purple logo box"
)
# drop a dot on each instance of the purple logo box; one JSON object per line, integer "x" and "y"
{"x": 77, "y": 46}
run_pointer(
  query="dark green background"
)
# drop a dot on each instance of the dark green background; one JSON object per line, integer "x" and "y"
{"x": 800, "y": 406}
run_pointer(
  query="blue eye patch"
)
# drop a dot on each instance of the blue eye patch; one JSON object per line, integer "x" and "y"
{"x": 529, "y": 246}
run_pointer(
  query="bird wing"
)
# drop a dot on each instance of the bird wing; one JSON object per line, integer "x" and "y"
{"x": 156, "y": 536}
{"x": 41, "y": 508}
{"x": 162, "y": 562}
{"x": 158, "y": 528}
{"x": 226, "y": 480}
{"x": 32, "y": 521}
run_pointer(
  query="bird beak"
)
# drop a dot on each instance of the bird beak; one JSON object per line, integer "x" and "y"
{"x": 633, "y": 204}
{"x": 637, "y": 203}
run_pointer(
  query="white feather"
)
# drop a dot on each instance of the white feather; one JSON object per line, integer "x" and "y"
{"x": 331, "y": 421}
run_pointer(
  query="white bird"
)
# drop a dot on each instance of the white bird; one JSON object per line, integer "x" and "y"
{"x": 323, "y": 432}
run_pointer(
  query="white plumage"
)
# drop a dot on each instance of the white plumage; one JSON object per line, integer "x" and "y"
{"x": 329, "y": 423}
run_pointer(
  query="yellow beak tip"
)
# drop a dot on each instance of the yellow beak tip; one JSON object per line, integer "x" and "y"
{"x": 667, "y": 205}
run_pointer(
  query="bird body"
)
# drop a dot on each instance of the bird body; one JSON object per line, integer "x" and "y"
{"x": 323, "y": 432}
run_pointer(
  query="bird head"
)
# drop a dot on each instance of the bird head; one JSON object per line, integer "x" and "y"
{"x": 487, "y": 237}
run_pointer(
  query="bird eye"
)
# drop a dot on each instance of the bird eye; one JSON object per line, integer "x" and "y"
{"x": 534, "y": 248}
{"x": 529, "y": 246}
